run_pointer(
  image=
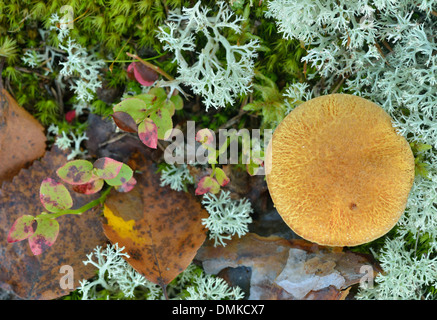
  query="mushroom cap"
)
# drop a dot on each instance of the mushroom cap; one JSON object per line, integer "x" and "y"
{"x": 338, "y": 172}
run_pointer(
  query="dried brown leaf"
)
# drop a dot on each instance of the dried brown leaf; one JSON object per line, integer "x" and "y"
{"x": 22, "y": 138}
{"x": 160, "y": 228}
{"x": 38, "y": 277}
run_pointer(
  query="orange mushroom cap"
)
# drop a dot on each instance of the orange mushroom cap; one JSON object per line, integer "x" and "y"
{"x": 338, "y": 172}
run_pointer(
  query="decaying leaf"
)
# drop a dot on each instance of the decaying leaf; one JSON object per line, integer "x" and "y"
{"x": 38, "y": 277}
{"x": 160, "y": 228}
{"x": 22, "y": 138}
{"x": 287, "y": 269}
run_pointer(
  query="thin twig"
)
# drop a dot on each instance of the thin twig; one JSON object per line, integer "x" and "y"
{"x": 115, "y": 139}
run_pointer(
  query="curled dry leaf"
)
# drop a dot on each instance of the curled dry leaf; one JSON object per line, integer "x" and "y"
{"x": 160, "y": 228}
{"x": 38, "y": 277}
{"x": 288, "y": 269}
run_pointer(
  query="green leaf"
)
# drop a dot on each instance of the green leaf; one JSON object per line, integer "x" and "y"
{"x": 147, "y": 98}
{"x": 45, "y": 235}
{"x": 177, "y": 101}
{"x": 148, "y": 133}
{"x": 22, "y": 228}
{"x": 163, "y": 121}
{"x": 135, "y": 107}
{"x": 123, "y": 176}
{"x": 169, "y": 105}
{"x": 54, "y": 196}
{"x": 107, "y": 168}
{"x": 76, "y": 172}
{"x": 221, "y": 177}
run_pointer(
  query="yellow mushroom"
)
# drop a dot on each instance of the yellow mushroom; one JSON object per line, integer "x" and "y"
{"x": 338, "y": 172}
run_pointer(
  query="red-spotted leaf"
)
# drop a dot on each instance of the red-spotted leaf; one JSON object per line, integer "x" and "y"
{"x": 127, "y": 186}
{"x": 207, "y": 184}
{"x": 123, "y": 176}
{"x": 76, "y": 172}
{"x": 90, "y": 187}
{"x": 44, "y": 236}
{"x": 143, "y": 74}
{"x": 135, "y": 107}
{"x": 124, "y": 121}
{"x": 22, "y": 228}
{"x": 148, "y": 133}
{"x": 54, "y": 196}
{"x": 221, "y": 177}
{"x": 162, "y": 119}
{"x": 107, "y": 168}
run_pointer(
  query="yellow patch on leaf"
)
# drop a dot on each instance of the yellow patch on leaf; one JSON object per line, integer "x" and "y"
{"x": 124, "y": 229}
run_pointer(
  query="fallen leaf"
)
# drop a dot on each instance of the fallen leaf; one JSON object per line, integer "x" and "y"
{"x": 22, "y": 138}
{"x": 38, "y": 277}
{"x": 287, "y": 269}
{"x": 160, "y": 228}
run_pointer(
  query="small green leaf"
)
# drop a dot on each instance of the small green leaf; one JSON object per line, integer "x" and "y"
{"x": 123, "y": 176}
{"x": 45, "y": 235}
{"x": 107, "y": 168}
{"x": 76, "y": 172}
{"x": 135, "y": 107}
{"x": 163, "y": 121}
{"x": 221, "y": 177}
{"x": 54, "y": 196}
{"x": 148, "y": 133}
{"x": 147, "y": 98}
{"x": 177, "y": 101}
{"x": 22, "y": 228}
{"x": 160, "y": 95}
{"x": 169, "y": 105}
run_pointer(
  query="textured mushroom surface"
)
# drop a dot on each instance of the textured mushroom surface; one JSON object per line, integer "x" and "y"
{"x": 338, "y": 172}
